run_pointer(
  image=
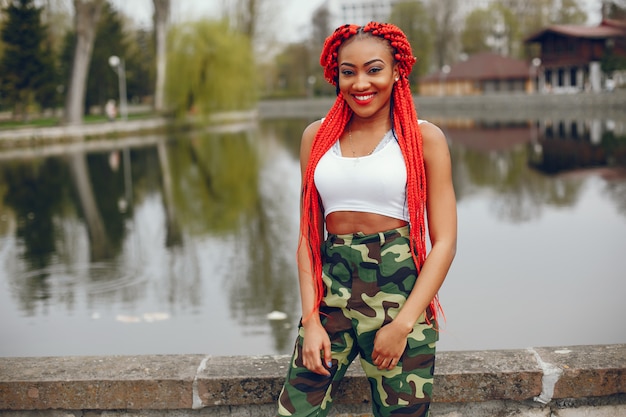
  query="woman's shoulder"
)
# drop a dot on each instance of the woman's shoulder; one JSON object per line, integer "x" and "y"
{"x": 312, "y": 128}
{"x": 430, "y": 131}
{"x": 308, "y": 136}
{"x": 433, "y": 139}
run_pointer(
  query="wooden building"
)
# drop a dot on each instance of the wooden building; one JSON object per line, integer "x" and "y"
{"x": 571, "y": 55}
{"x": 482, "y": 73}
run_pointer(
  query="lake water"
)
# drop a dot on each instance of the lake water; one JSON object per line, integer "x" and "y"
{"x": 166, "y": 245}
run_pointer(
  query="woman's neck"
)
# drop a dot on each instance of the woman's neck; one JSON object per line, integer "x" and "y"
{"x": 378, "y": 123}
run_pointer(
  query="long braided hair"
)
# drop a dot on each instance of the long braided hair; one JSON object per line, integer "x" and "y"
{"x": 407, "y": 132}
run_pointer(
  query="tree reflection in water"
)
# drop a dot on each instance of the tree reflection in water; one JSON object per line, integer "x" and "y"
{"x": 204, "y": 236}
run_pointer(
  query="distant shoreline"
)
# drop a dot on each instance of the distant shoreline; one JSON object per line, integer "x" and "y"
{"x": 504, "y": 106}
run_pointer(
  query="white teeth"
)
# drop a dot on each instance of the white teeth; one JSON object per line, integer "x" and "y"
{"x": 363, "y": 98}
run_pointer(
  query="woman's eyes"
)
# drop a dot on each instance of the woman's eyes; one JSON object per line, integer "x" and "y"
{"x": 372, "y": 70}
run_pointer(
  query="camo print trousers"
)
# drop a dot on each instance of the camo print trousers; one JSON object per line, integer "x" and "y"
{"x": 367, "y": 280}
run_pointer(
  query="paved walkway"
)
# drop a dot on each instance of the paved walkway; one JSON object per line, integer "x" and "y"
{"x": 12, "y": 137}
{"x": 34, "y": 135}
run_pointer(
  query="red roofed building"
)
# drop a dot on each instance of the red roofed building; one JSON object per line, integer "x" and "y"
{"x": 571, "y": 55}
{"x": 482, "y": 73}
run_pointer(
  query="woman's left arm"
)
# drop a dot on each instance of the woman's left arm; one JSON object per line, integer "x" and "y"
{"x": 442, "y": 228}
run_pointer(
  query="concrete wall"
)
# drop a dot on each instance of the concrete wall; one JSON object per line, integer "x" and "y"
{"x": 502, "y": 106}
{"x": 571, "y": 381}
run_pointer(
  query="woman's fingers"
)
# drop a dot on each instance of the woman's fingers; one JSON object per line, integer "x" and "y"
{"x": 383, "y": 362}
{"x": 316, "y": 353}
{"x": 314, "y": 363}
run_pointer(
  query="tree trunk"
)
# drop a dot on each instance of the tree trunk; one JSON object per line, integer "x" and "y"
{"x": 445, "y": 12}
{"x": 99, "y": 246}
{"x": 86, "y": 16}
{"x": 251, "y": 20}
{"x": 161, "y": 17}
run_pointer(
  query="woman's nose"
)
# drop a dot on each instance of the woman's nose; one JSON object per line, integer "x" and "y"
{"x": 361, "y": 82}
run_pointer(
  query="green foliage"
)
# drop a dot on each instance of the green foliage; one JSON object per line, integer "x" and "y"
{"x": 612, "y": 62}
{"x": 495, "y": 29}
{"x": 27, "y": 67}
{"x": 616, "y": 10}
{"x": 511, "y": 31}
{"x": 570, "y": 13}
{"x": 293, "y": 70}
{"x": 102, "y": 82}
{"x": 140, "y": 65}
{"x": 136, "y": 48}
{"x": 412, "y": 18}
{"x": 503, "y": 25}
{"x": 1, "y": 42}
{"x": 478, "y": 25}
{"x": 47, "y": 93}
{"x": 210, "y": 68}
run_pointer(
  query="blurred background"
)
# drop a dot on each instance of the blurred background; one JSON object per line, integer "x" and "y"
{"x": 182, "y": 239}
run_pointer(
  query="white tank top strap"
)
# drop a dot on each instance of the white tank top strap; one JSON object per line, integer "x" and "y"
{"x": 336, "y": 148}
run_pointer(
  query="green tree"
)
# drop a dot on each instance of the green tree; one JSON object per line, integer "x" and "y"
{"x": 321, "y": 23}
{"x": 27, "y": 65}
{"x": 56, "y": 16}
{"x": 86, "y": 16}
{"x": 102, "y": 83}
{"x": 252, "y": 18}
{"x": 160, "y": 22}
{"x": 210, "y": 68}
{"x": 534, "y": 15}
{"x": 136, "y": 48}
{"x": 48, "y": 94}
{"x": 293, "y": 67}
{"x": 478, "y": 25}
{"x": 614, "y": 9}
{"x": 503, "y": 26}
{"x": 1, "y": 25}
{"x": 141, "y": 67}
{"x": 612, "y": 61}
{"x": 412, "y": 18}
{"x": 570, "y": 13}
{"x": 492, "y": 29}
{"x": 443, "y": 24}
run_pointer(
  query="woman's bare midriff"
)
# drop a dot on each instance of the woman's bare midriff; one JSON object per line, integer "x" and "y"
{"x": 344, "y": 222}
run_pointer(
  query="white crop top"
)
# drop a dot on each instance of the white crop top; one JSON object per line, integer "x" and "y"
{"x": 375, "y": 183}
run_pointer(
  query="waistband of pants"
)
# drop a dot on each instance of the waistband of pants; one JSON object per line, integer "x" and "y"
{"x": 361, "y": 238}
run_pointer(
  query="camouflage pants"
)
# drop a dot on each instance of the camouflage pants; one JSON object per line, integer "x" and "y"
{"x": 367, "y": 280}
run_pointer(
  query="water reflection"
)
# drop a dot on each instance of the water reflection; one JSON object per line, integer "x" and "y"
{"x": 574, "y": 144}
{"x": 191, "y": 238}
{"x": 495, "y": 157}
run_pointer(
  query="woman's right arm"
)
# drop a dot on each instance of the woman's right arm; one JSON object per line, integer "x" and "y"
{"x": 316, "y": 345}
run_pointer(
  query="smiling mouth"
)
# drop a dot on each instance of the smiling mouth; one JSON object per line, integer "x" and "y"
{"x": 364, "y": 98}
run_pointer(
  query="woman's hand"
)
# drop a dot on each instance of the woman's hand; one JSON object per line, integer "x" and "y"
{"x": 389, "y": 345}
{"x": 316, "y": 348}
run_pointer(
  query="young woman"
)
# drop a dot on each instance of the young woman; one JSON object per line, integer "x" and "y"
{"x": 370, "y": 173}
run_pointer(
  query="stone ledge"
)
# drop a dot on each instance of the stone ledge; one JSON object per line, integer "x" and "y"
{"x": 175, "y": 382}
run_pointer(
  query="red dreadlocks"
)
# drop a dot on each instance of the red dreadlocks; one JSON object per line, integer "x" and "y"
{"x": 407, "y": 132}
